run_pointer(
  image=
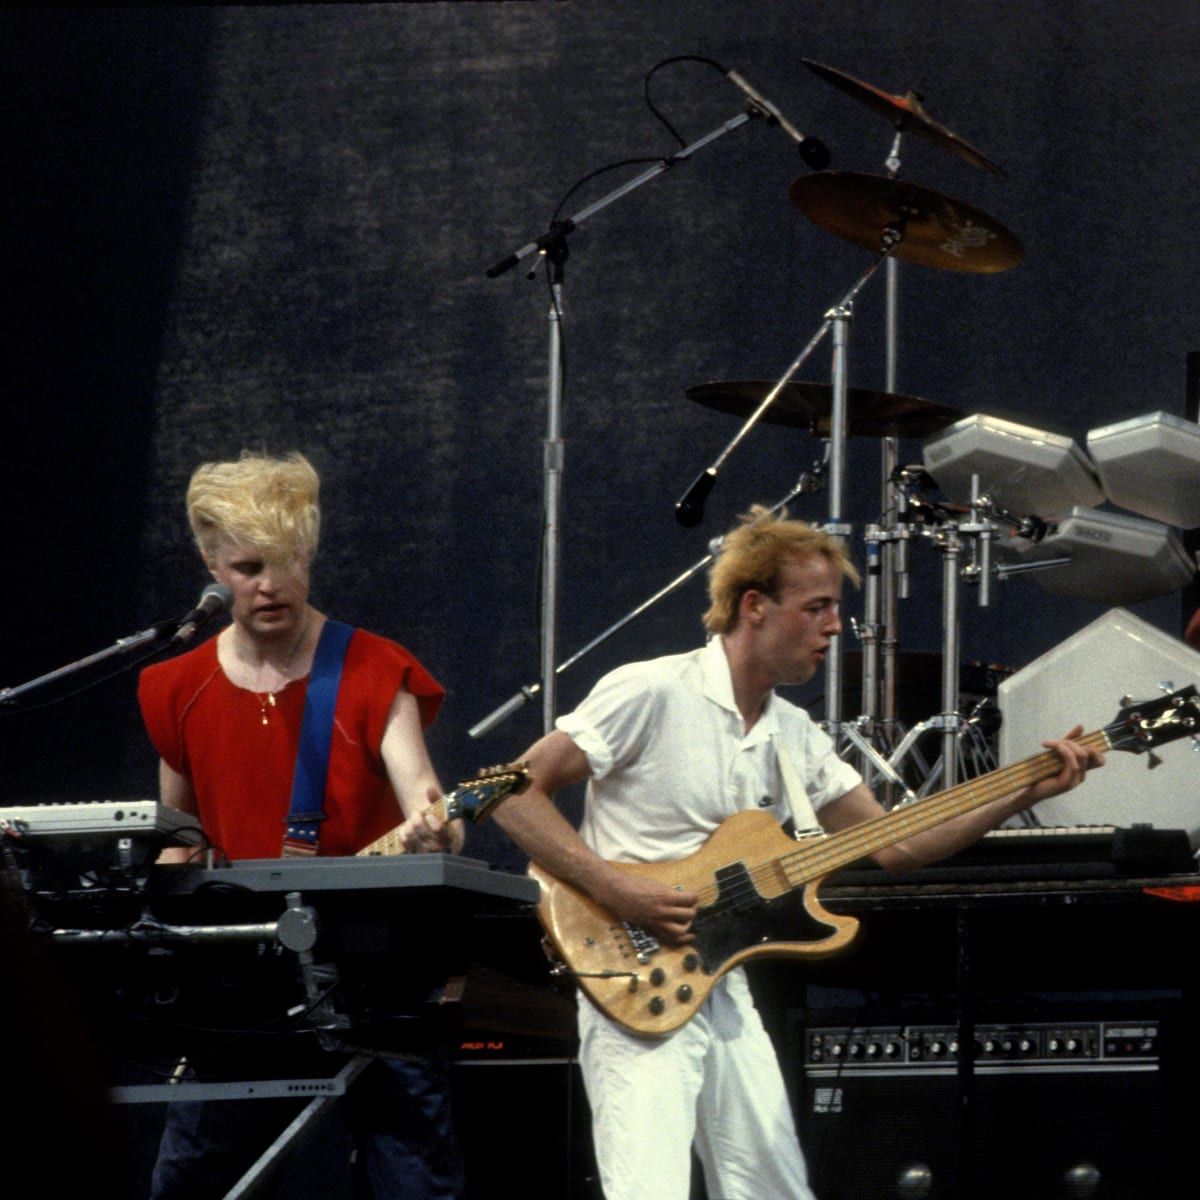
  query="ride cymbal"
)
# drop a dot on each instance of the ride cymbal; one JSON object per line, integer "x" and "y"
{"x": 809, "y": 406}
{"x": 935, "y": 230}
{"x": 905, "y": 113}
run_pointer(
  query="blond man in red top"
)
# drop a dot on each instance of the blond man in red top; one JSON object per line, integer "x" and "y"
{"x": 226, "y": 721}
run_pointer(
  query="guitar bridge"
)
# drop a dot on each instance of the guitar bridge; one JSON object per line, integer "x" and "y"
{"x": 645, "y": 945}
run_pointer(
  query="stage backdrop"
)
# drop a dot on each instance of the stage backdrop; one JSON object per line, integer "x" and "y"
{"x": 268, "y": 227}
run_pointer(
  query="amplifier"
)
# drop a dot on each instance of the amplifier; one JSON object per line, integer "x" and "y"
{"x": 1028, "y": 1047}
{"x": 1059, "y": 1108}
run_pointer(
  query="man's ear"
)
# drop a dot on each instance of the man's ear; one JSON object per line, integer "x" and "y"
{"x": 750, "y": 607}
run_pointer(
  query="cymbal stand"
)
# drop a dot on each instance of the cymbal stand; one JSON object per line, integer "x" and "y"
{"x": 893, "y": 550}
{"x": 975, "y": 534}
{"x": 552, "y": 473}
{"x": 839, "y": 317}
{"x": 689, "y": 509}
{"x": 948, "y": 721}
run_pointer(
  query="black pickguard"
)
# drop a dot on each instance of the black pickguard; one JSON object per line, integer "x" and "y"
{"x": 741, "y": 918}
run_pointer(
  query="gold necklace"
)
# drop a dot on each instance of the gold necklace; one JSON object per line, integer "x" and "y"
{"x": 266, "y": 700}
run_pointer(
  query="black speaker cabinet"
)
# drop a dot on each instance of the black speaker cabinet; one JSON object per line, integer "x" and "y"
{"x": 1052, "y": 1110}
{"x": 525, "y": 1129}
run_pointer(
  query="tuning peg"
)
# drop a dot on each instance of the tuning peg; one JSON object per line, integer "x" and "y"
{"x": 1166, "y": 687}
{"x": 1152, "y": 761}
{"x": 1125, "y": 701}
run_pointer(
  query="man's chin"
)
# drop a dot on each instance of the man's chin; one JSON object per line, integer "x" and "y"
{"x": 279, "y": 623}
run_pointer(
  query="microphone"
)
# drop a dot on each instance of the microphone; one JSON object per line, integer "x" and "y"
{"x": 214, "y": 600}
{"x": 812, "y": 150}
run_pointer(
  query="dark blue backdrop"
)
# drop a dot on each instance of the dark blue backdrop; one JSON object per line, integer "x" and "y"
{"x": 268, "y": 226}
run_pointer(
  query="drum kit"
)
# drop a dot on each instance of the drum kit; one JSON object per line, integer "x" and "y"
{"x": 1013, "y": 498}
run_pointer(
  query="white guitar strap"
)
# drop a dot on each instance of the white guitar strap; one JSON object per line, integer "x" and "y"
{"x": 804, "y": 817}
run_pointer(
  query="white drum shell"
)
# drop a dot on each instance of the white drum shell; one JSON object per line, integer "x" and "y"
{"x": 1081, "y": 681}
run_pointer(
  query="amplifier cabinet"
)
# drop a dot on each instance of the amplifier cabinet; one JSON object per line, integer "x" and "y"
{"x": 524, "y": 1126}
{"x": 1056, "y": 1109}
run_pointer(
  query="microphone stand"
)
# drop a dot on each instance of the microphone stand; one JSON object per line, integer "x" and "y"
{"x": 552, "y": 245}
{"x": 809, "y": 482}
{"x": 162, "y": 631}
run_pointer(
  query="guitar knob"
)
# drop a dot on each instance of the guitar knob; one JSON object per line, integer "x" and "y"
{"x": 657, "y": 1006}
{"x": 658, "y": 977}
{"x": 690, "y": 962}
{"x": 684, "y": 993}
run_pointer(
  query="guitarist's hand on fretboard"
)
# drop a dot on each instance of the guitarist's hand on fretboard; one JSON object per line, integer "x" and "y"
{"x": 424, "y": 832}
{"x": 1077, "y": 761}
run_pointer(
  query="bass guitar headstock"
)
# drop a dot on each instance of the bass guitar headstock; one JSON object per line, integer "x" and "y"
{"x": 1143, "y": 726}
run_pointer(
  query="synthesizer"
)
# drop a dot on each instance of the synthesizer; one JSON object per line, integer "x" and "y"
{"x": 97, "y": 820}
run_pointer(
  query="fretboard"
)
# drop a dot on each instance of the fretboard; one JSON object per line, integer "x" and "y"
{"x": 828, "y": 854}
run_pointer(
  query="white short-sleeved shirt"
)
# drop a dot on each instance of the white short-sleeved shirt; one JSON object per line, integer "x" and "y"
{"x": 669, "y": 759}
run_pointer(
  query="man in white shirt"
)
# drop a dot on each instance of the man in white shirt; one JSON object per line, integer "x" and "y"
{"x": 670, "y": 749}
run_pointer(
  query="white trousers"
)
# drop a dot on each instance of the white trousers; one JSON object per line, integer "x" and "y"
{"x": 715, "y": 1081}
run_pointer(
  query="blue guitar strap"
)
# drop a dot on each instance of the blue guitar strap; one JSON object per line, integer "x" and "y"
{"x": 307, "y": 811}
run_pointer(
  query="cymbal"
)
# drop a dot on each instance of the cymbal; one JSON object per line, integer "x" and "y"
{"x": 905, "y": 113}
{"x": 937, "y": 231}
{"x": 809, "y": 406}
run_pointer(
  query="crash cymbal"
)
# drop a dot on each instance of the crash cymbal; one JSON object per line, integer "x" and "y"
{"x": 802, "y": 405}
{"x": 905, "y": 113}
{"x": 937, "y": 231}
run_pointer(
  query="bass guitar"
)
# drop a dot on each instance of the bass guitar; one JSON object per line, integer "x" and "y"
{"x": 472, "y": 800}
{"x": 758, "y": 887}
